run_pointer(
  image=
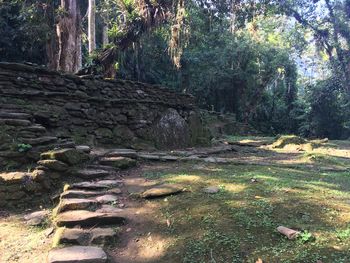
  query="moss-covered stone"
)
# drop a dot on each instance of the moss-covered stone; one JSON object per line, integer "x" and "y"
{"x": 68, "y": 156}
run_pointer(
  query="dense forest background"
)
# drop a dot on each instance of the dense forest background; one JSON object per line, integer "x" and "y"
{"x": 279, "y": 66}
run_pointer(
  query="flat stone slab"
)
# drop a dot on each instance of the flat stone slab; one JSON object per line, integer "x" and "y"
{"x": 211, "y": 190}
{"x": 15, "y": 115}
{"x": 118, "y": 162}
{"x": 74, "y": 204}
{"x": 150, "y": 157}
{"x": 85, "y": 237}
{"x": 15, "y": 122}
{"x": 122, "y": 152}
{"x": 54, "y": 165}
{"x": 169, "y": 158}
{"x": 103, "y": 184}
{"x": 77, "y": 254}
{"x": 14, "y": 177}
{"x": 80, "y": 194}
{"x": 109, "y": 209}
{"x": 87, "y": 218}
{"x": 162, "y": 190}
{"x": 105, "y": 199}
{"x": 91, "y": 173}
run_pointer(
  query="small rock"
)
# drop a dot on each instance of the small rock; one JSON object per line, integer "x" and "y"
{"x": 36, "y": 218}
{"x": 211, "y": 190}
{"x": 290, "y": 233}
{"x": 75, "y": 254}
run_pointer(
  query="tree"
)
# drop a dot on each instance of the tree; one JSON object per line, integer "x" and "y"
{"x": 69, "y": 56}
{"x": 92, "y": 26}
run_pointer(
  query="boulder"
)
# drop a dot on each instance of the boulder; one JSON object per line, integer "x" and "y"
{"x": 170, "y": 131}
{"x": 75, "y": 254}
{"x": 69, "y": 156}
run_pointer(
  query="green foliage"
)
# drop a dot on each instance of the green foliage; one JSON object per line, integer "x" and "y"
{"x": 22, "y": 147}
{"x": 25, "y": 27}
{"x": 305, "y": 237}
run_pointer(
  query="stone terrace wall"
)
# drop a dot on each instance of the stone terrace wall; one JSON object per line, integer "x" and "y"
{"x": 101, "y": 112}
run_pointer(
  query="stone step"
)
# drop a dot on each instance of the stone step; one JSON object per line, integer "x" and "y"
{"x": 91, "y": 173}
{"x": 54, "y": 165}
{"x": 98, "y": 185}
{"x": 74, "y": 204}
{"x": 80, "y": 194}
{"x": 15, "y": 122}
{"x": 106, "y": 199}
{"x": 15, "y": 115}
{"x": 118, "y": 162}
{"x": 88, "y": 194}
{"x": 122, "y": 153}
{"x": 85, "y": 237}
{"x": 86, "y": 218}
{"x": 109, "y": 209}
{"x": 77, "y": 254}
{"x": 101, "y": 167}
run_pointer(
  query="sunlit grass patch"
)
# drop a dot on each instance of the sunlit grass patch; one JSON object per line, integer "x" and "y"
{"x": 238, "y": 224}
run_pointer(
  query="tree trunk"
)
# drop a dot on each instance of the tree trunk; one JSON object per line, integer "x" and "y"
{"x": 92, "y": 26}
{"x": 105, "y": 40}
{"x": 69, "y": 37}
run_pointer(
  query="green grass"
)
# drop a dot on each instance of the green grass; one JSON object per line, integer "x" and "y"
{"x": 238, "y": 224}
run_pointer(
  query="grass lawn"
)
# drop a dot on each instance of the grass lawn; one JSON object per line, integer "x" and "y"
{"x": 238, "y": 224}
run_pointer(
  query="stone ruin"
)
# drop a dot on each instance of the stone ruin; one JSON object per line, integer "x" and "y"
{"x": 43, "y": 110}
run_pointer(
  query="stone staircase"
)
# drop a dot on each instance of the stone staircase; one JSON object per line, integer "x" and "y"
{"x": 88, "y": 216}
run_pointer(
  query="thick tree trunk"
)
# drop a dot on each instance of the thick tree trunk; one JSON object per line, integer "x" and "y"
{"x": 69, "y": 37}
{"x": 92, "y": 26}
